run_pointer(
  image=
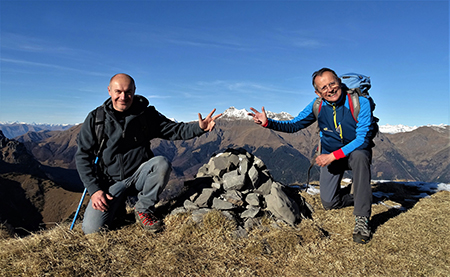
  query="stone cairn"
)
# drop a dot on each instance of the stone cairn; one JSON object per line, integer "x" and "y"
{"x": 239, "y": 185}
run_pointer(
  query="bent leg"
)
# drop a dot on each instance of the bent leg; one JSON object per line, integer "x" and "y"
{"x": 95, "y": 220}
{"x": 330, "y": 179}
{"x": 150, "y": 179}
{"x": 359, "y": 162}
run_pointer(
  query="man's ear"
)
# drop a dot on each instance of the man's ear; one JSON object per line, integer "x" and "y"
{"x": 318, "y": 94}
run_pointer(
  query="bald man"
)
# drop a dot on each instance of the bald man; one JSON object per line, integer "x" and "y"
{"x": 126, "y": 164}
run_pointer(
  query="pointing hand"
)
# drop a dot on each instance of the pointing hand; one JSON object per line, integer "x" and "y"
{"x": 259, "y": 118}
{"x": 208, "y": 123}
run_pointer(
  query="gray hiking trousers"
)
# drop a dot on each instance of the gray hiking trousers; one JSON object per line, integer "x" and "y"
{"x": 332, "y": 197}
{"x": 149, "y": 180}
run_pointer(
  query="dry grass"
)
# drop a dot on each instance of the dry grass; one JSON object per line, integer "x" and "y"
{"x": 412, "y": 243}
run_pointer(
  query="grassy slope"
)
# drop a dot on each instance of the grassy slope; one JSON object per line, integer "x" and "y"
{"x": 412, "y": 243}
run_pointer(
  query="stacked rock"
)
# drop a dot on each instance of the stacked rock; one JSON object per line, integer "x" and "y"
{"x": 240, "y": 185}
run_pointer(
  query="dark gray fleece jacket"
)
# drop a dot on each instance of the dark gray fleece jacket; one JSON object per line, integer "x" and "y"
{"x": 127, "y": 143}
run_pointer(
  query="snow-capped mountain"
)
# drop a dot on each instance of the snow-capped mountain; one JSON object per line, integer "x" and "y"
{"x": 234, "y": 114}
{"x": 279, "y": 116}
{"x": 393, "y": 129}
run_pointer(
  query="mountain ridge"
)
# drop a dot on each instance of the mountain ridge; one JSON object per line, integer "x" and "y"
{"x": 16, "y": 129}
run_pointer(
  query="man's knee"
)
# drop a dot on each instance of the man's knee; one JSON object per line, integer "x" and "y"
{"x": 91, "y": 223}
{"x": 95, "y": 220}
{"x": 360, "y": 156}
{"x": 161, "y": 164}
{"x": 156, "y": 166}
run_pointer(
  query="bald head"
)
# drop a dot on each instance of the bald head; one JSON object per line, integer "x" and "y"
{"x": 123, "y": 76}
{"x": 121, "y": 89}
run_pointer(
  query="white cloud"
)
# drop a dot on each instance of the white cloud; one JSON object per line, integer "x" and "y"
{"x": 53, "y": 66}
{"x": 18, "y": 42}
{"x": 242, "y": 87}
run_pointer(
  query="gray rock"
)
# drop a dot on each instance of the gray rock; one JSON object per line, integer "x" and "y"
{"x": 218, "y": 166}
{"x": 220, "y": 204}
{"x": 251, "y": 212}
{"x": 202, "y": 171}
{"x": 281, "y": 206}
{"x": 234, "y": 162}
{"x": 205, "y": 198}
{"x": 258, "y": 163}
{"x": 217, "y": 186}
{"x": 253, "y": 199}
{"x": 189, "y": 205}
{"x": 193, "y": 196}
{"x": 244, "y": 164}
{"x": 253, "y": 175}
{"x": 197, "y": 215}
{"x": 178, "y": 210}
{"x": 234, "y": 197}
{"x": 265, "y": 188}
{"x": 233, "y": 181}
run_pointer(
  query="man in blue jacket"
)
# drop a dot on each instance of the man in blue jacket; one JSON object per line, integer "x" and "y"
{"x": 346, "y": 145}
{"x": 126, "y": 162}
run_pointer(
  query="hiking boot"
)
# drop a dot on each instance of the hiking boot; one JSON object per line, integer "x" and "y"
{"x": 361, "y": 233}
{"x": 148, "y": 221}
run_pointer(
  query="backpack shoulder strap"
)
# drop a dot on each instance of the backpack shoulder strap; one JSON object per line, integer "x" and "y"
{"x": 99, "y": 125}
{"x": 317, "y": 106}
{"x": 353, "y": 102}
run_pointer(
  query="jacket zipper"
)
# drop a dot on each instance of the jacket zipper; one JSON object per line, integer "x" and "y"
{"x": 337, "y": 125}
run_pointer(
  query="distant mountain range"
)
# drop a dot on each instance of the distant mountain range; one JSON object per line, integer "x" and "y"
{"x": 12, "y": 130}
{"x": 16, "y": 129}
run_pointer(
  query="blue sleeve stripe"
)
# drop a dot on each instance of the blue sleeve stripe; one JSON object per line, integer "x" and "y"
{"x": 303, "y": 120}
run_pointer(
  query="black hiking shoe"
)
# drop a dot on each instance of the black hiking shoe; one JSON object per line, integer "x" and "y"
{"x": 361, "y": 233}
{"x": 148, "y": 221}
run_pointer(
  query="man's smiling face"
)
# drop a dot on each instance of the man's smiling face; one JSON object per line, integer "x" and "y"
{"x": 121, "y": 89}
{"x": 328, "y": 87}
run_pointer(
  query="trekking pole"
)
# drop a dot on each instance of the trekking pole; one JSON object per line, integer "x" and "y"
{"x": 313, "y": 162}
{"x": 78, "y": 209}
{"x": 85, "y": 190}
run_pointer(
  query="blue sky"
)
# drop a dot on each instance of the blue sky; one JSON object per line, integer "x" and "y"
{"x": 193, "y": 56}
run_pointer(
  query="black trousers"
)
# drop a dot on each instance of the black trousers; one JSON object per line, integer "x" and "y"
{"x": 358, "y": 162}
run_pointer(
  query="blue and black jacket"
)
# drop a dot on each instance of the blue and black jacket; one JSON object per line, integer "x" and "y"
{"x": 340, "y": 133}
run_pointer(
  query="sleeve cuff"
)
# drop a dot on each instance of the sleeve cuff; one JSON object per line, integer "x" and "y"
{"x": 339, "y": 154}
{"x": 265, "y": 125}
